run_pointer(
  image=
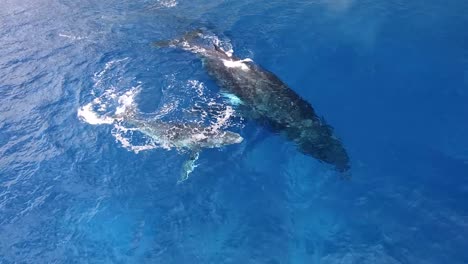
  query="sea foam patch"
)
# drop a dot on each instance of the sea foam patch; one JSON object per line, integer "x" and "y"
{"x": 111, "y": 102}
{"x": 86, "y": 114}
{"x": 160, "y": 4}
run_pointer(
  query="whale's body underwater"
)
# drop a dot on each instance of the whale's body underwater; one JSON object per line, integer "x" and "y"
{"x": 268, "y": 100}
{"x": 193, "y": 137}
{"x": 190, "y": 136}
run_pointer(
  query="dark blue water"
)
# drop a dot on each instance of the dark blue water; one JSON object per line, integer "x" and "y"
{"x": 390, "y": 76}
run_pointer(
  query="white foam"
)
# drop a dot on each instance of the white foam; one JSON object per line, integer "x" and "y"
{"x": 198, "y": 86}
{"x": 71, "y": 36}
{"x": 98, "y": 76}
{"x": 167, "y": 3}
{"x": 222, "y": 120}
{"x": 87, "y": 114}
{"x": 237, "y": 64}
{"x": 110, "y": 105}
{"x": 127, "y": 100}
{"x": 166, "y": 109}
{"x": 120, "y": 134}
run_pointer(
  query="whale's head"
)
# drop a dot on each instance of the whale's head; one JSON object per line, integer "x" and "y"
{"x": 330, "y": 151}
{"x": 320, "y": 143}
{"x": 336, "y": 155}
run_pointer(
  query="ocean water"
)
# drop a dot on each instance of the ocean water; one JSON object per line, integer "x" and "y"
{"x": 79, "y": 186}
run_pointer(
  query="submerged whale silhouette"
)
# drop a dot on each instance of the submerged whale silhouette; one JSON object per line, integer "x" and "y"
{"x": 263, "y": 97}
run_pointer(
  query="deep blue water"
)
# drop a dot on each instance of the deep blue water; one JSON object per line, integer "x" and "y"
{"x": 390, "y": 76}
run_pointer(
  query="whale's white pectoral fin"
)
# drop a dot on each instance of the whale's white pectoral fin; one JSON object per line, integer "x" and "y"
{"x": 232, "y": 99}
{"x": 188, "y": 167}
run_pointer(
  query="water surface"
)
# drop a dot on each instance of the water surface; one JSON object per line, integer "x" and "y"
{"x": 390, "y": 77}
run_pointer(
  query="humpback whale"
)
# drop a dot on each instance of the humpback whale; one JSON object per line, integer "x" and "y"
{"x": 189, "y": 136}
{"x": 263, "y": 97}
{"x": 186, "y": 136}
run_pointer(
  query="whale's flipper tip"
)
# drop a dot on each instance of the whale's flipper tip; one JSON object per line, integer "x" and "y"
{"x": 188, "y": 167}
{"x": 232, "y": 99}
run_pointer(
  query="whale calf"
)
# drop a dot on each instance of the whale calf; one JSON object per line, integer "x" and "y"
{"x": 189, "y": 136}
{"x": 263, "y": 97}
{"x": 185, "y": 136}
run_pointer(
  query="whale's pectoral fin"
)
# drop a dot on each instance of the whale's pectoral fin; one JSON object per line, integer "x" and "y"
{"x": 189, "y": 166}
{"x": 187, "y": 37}
{"x": 232, "y": 99}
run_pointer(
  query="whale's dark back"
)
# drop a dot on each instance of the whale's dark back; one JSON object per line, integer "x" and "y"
{"x": 270, "y": 101}
{"x": 319, "y": 143}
